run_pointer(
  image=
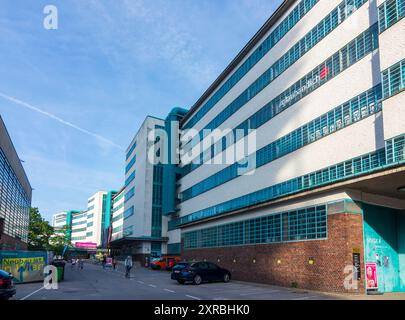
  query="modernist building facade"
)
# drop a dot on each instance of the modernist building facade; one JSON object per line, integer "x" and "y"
{"x": 15, "y": 196}
{"x": 321, "y": 202}
{"x": 140, "y": 229}
{"x": 92, "y": 226}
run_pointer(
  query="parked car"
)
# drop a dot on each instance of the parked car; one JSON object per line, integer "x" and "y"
{"x": 198, "y": 272}
{"x": 165, "y": 263}
{"x": 7, "y": 286}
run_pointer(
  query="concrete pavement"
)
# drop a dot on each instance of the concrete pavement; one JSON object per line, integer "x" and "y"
{"x": 94, "y": 283}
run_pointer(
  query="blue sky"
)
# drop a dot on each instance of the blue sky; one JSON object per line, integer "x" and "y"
{"x": 109, "y": 64}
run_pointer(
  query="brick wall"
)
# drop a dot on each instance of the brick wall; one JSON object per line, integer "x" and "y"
{"x": 9, "y": 243}
{"x": 287, "y": 264}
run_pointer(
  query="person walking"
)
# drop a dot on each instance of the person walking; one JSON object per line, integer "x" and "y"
{"x": 73, "y": 262}
{"x": 80, "y": 266}
{"x": 104, "y": 261}
{"x": 128, "y": 266}
{"x": 114, "y": 263}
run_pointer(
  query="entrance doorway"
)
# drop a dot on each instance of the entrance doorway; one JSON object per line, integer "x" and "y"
{"x": 384, "y": 246}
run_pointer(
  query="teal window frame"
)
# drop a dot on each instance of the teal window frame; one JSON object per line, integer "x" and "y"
{"x": 130, "y": 164}
{"x": 133, "y": 147}
{"x": 302, "y": 224}
{"x": 393, "y": 79}
{"x": 389, "y": 13}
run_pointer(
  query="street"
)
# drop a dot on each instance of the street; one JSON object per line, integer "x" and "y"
{"x": 94, "y": 283}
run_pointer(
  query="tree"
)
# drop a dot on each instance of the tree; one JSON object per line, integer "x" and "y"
{"x": 42, "y": 236}
{"x": 39, "y": 231}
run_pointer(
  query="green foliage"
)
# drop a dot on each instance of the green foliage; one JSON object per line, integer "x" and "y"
{"x": 41, "y": 235}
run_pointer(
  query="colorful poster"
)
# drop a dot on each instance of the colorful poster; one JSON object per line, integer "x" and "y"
{"x": 25, "y": 266}
{"x": 371, "y": 276}
{"x": 109, "y": 261}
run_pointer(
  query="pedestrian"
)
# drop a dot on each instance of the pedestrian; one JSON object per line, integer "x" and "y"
{"x": 81, "y": 264}
{"x": 128, "y": 266}
{"x": 114, "y": 263}
{"x": 73, "y": 262}
{"x": 104, "y": 261}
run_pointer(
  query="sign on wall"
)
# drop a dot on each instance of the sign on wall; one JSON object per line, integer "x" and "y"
{"x": 25, "y": 266}
{"x": 371, "y": 276}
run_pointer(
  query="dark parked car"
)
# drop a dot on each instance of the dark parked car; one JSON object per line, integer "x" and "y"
{"x": 198, "y": 272}
{"x": 7, "y": 287}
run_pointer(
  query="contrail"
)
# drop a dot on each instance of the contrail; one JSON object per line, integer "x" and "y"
{"x": 50, "y": 115}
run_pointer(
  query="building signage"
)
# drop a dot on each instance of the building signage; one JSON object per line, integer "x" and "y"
{"x": 357, "y": 265}
{"x": 371, "y": 276}
{"x": 86, "y": 245}
{"x": 306, "y": 87}
{"x": 25, "y": 266}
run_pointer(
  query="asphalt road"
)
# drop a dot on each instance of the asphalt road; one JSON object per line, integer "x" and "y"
{"x": 94, "y": 283}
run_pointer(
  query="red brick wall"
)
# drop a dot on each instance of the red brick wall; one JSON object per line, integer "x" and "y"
{"x": 345, "y": 233}
{"x": 9, "y": 243}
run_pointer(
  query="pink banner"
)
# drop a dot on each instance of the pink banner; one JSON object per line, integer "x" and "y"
{"x": 371, "y": 274}
{"x": 86, "y": 245}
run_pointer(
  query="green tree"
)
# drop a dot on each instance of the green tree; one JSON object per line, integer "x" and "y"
{"x": 39, "y": 231}
{"x": 42, "y": 236}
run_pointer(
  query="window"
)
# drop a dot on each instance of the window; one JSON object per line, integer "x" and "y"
{"x": 279, "y": 32}
{"x": 303, "y": 224}
{"x": 305, "y": 86}
{"x": 392, "y": 154}
{"x": 390, "y": 12}
{"x": 308, "y": 133}
{"x": 129, "y": 212}
{"x": 394, "y": 79}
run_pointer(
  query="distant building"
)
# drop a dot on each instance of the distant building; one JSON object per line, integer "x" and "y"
{"x": 142, "y": 233}
{"x": 87, "y": 227}
{"x": 15, "y": 196}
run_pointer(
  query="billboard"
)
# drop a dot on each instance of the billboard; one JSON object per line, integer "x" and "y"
{"x": 25, "y": 266}
{"x": 86, "y": 245}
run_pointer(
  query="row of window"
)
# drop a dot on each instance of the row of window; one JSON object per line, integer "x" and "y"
{"x": 390, "y": 12}
{"x": 90, "y": 200}
{"x": 130, "y": 164}
{"x": 129, "y": 212}
{"x": 319, "y": 32}
{"x": 79, "y": 223}
{"x": 128, "y": 231}
{"x": 279, "y": 32}
{"x": 118, "y": 198}
{"x": 297, "y": 225}
{"x": 89, "y": 234}
{"x": 78, "y": 238}
{"x": 340, "y": 61}
{"x": 78, "y": 230}
{"x": 14, "y": 202}
{"x": 129, "y": 194}
{"x": 90, "y": 216}
{"x": 117, "y": 229}
{"x": 392, "y": 154}
{"x": 131, "y": 150}
{"x": 348, "y": 113}
{"x": 394, "y": 79}
{"x": 117, "y": 218}
{"x": 90, "y": 208}
{"x": 90, "y": 224}
{"x": 118, "y": 207}
{"x": 130, "y": 178}
{"x": 157, "y": 199}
